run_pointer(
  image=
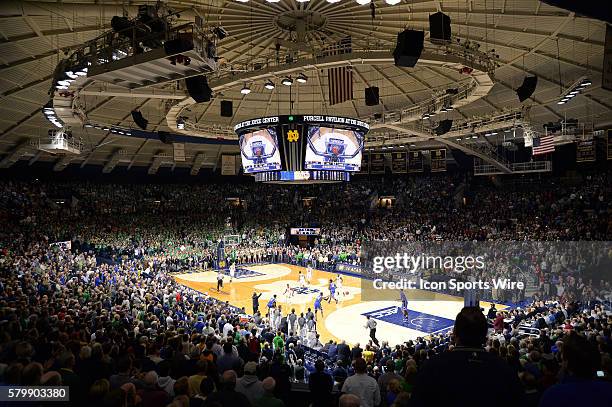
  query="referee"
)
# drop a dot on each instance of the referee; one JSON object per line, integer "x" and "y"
{"x": 371, "y": 325}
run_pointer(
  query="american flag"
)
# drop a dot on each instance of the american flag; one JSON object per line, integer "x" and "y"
{"x": 543, "y": 145}
{"x": 340, "y": 79}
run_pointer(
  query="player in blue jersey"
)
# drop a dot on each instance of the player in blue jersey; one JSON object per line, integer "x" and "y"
{"x": 317, "y": 305}
{"x": 404, "y": 305}
{"x": 271, "y": 305}
{"x": 332, "y": 291}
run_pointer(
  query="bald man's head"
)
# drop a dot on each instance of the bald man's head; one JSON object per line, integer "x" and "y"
{"x": 349, "y": 400}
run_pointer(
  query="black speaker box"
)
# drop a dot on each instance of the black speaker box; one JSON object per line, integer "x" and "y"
{"x": 139, "y": 119}
{"x": 525, "y": 91}
{"x": 227, "y": 108}
{"x": 444, "y": 127}
{"x": 439, "y": 27}
{"x": 371, "y": 96}
{"x": 165, "y": 137}
{"x": 409, "y": 47}
{"x": 198, "y": 89}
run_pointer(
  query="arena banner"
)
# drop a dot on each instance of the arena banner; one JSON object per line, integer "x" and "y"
{"x": 399, "y": 163}
{"x": 585, "y": 151}
{"x": 377, "y": 163}
{"x": 348, "y": 268}
{"x": 178, "y": 150}
{"x": 228, "y": 164}
{"x": 66, "y": 245}
{"x": 365, "y": 164}
{"x": 305, "y": 231}
{"x": 491, "y": 271}
{"x": 415, "y": 161}
{"x": 438, "y": 160}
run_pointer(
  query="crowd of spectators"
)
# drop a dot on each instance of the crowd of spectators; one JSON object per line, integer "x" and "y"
{"x": 106, "y": 318}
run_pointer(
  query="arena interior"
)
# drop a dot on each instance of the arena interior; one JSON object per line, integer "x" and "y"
{"x": 305, "y": 203}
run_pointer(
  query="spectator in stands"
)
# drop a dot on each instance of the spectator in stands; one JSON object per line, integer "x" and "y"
{"x": 320, "y": 384}
{"x": 349, "y": 400}
{"x": 226, "y": 395}
{"x": 249, "y": 384}
{"x": 580, "y": 384}
{"x": 362, "y": 385}
{"x": 268, "y": 399}
{"x": 450, "y": 377}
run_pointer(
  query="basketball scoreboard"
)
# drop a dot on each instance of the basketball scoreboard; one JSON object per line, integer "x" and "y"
{"x": 301, "y": 148}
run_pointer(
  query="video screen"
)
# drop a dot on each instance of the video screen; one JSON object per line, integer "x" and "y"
{"x": 333, "y": 149}
{"x": 259, "y": 151}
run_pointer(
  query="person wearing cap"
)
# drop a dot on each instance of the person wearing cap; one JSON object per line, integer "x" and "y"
{"x": 249, "y": 384}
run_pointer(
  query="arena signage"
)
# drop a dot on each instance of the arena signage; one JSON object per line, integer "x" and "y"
{"x": 306, "y": 231}
{"x": 256, "y": 122}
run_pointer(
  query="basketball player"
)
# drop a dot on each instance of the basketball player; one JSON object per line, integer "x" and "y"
{"x": 309, "y": 274}
{"x": 332, "y": 292}
{"x": 232, "y": 271}
{"x": 404, "y": 305}
{"x": 219, "y": 281}
{"x": 302, "y": 325}
{"x": 271, "y": 305}
{"x": 301, "y": 280}
{"x": 288, "y": 293}
{"x": 318, "y": 306}
{"x": 339, "y": 285}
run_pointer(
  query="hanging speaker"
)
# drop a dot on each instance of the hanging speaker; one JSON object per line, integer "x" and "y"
{"x": 139, "y": 119}
{"x": 227, "y": 108}
{"x": 408, "y": 48}
{"x": 525, "y": 91}
{"x": 371, "y": 96}
{"x": 439, "y": 27}
{"x": 198, "y": 89}
{"x": 444, "y": 127}
{"x": 165, "y": 137}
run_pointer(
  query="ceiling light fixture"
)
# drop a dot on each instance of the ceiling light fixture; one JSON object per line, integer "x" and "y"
{"x": 245, "y": 90}
{"x": 573, "y": 90}
{"x": 269, "y": 84}
{"x": 392, "y": 2}
{"x": 363, "y": 2}
{"x": 287, "y": 81}
{"x": 301, "y": 78}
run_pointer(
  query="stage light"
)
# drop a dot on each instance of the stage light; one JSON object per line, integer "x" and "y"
{"x": 71, "y": 75}
{"x": 245, "y": 90}
{"x": 269, "y": 85}
{"x": 333, "y": 1}
{"x": 272, "y": 1}
{"x": 303, "y": 1}
{"x": 301, "y": 78}
{"x": 363, "y": 2}
{"x": 287, "y": 81}
{"x": 392, "y": 2}
{"x": 242, "y": 1}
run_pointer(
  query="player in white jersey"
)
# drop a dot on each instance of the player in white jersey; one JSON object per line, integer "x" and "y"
{"x": 232, "y": 271}
{"x": 288, "y": 293}
{"x": 301, "y": 280}
{"x": 309, "y": 274}
{"x": 339, "y": 291}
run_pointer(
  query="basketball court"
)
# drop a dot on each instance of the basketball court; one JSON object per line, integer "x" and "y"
{"x": 343, "y": 321}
